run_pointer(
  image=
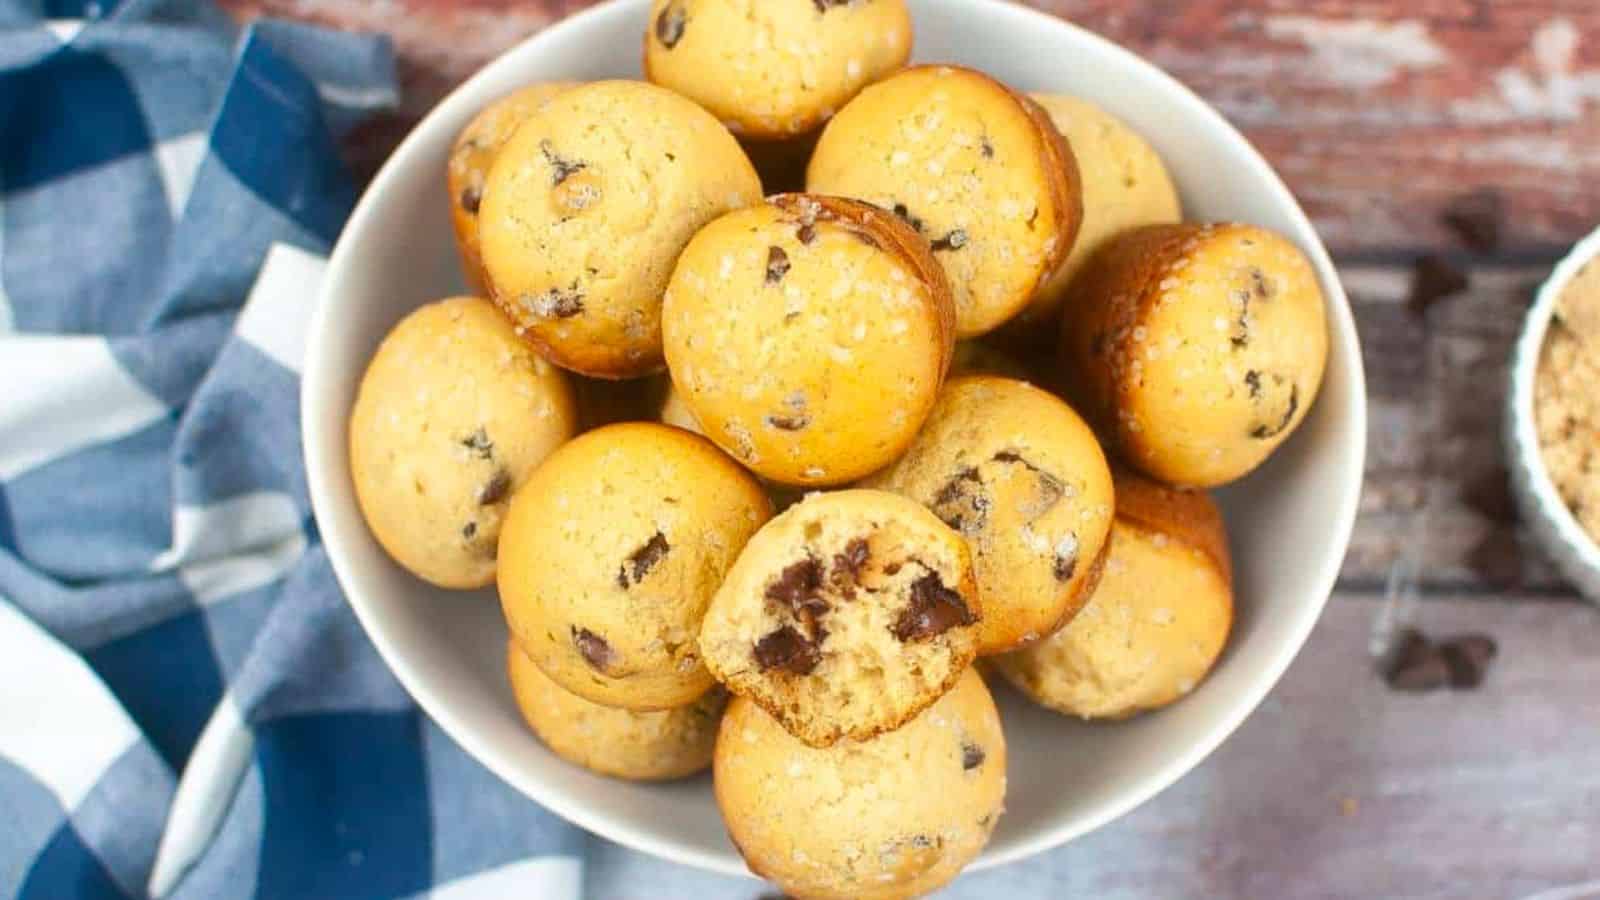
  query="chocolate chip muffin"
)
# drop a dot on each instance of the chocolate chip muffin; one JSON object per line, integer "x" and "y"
{"x": 611, "y": 555}
{"x": 1196, "y": 350}
{"x": 1125, "y": 185}
{"x": 452, "y": 415}
{"x": 586, "y": 208}
{"x": 474, "y": 150}
{"x": 1018, "y": 474}
{"x": 651, "y": 745}
{"x": 973, "y": 166}
{"x": 1157, "y": 622}
{"x": 808, "y": 336}
{"x": 845, "y": 616}
{"x": 895, "y": 816}
{"x": 777, "y": 68}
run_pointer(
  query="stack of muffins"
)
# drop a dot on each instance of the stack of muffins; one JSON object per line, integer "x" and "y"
{"x": 870, "y": 353}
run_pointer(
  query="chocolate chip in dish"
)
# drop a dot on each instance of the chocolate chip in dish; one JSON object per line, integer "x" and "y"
{"x": 894, "y": 816}
{"x": 1019, "y": 475}
{"x": 975, "y": 167}
{"x": 452, "y": 416}
{"x": 1195, "y": 350}
{"x": 1157, "y": 621}
{"x": 474, "y": 151}
{"x": 807, "y": 336}
{"x": 778, "y": 68}
{"x": 845, "y": 615}
{"x": 611, "y": 555}
{"x": 586, "y": 209}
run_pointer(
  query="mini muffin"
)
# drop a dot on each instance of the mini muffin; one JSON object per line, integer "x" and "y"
{"x": 1125, "y": 185}
{"x": 845, "y": 616}
{"x": 895, "y": 816}
{"x": 777, "y": 68}
{"x": 1022, "y": 478}
{"x": 470, "y": 158}
{"x": 1156, "y": 623}
{"x": 585, "y": 210}
{"x": 975, "y": 167}
{"x": 611, "y": 555}
{"x": 623, "y": 743}
{"x": 1196, "y": 350}
{"x": 452, "y": 416}
{"x": 808, "y": 336}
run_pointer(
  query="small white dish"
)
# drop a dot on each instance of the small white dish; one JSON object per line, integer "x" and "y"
{"x": 1548, "y": 517}
{"x": 1290, "y": 522}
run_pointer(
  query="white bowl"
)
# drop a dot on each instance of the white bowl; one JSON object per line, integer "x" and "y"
{"x": 1290, "y": 521}
{"x": 1549, "y": 519}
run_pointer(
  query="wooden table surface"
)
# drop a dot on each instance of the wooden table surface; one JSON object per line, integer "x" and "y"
{"x": 1379, "y": 114}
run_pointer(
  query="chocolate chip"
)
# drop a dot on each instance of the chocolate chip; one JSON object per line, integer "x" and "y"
{"x": 469, "y": 530}
{"x": 1240, "y": 335}
{"x": 786, "y": 649}
{"x": 987, "y": 149}
{"x": 972, "y": 756}
{"x": 962, "y": 503}
{"x": 1262, "y": 287}
{"x": 478, "y": 442}
{"x": 1416, "y": 665}
{"x": 955, "y": 240}
{"x": 905, "y": 214}
{"x": 892, "y": 569}
{"x": 561, "y": 169}
{"x": 933, "y": 610}
{"x": 641, "y": 561}
{"x": 1051, "y": 489}
{"x": 1433, "y": 279}
{"x": 1263, "y": 432}
{"x": 471, "y": 198}
{"x": 921, "y": 841}
{"x": 1252, "y": 380}
{"x": 806, "y": 233}
{"x": 777, "y": 264}
{"x": 1066, "y": 558}
{"x": 556, "y": 303}
{"x": 593, "y": 648}
{"x": 797, "y": 590}
{"x": 824, "y": 5}
{"x": 1476, "y": 218}
{"x": 853, "y": 558}
{"x": 789, "y": 423}
{"x": 669, "y": 25}
{"x": 1467, "y": 657}
{"x": 495, "y": 489}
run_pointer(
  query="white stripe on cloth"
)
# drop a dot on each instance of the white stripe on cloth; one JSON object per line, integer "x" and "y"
{"x": 58, "y": 721}
{"x": 178, "y": 160}
{"x": 61, "y": 394}
{"x": 210, "y": 779}
{"x": 278, "y": 312}
{"x": 232, "y": 546}
{"x": 540, "y": 878}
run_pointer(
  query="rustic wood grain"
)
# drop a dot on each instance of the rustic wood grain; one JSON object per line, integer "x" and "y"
{"x": 1377, "y": 112}
{"x": 1339, "y": 787}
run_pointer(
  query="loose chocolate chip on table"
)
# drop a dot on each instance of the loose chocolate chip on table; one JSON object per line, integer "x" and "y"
{"x": 593, "y": 648}
{"x": 789, "y": 423}
{"x": 1433, "y": 279}
{"x": 495, "y": 489}
{"x": 972, "y": 756}
{"x": 669, "y": 25}
{"x": 786, "y": 649}
{"x": 478, "y": 442}
{"x": 1415, "y": 665}
{"x": 955, "y": 240}
{"x": 641, "y": 561}
{"x": 777, "y": 264}
{"x": 1467, "y": 658}
{"x": 933, "y": 610}
{"x": 1476, "y": 218}
{"x": 562, "y": 169}
{"x": 471, "y": 198}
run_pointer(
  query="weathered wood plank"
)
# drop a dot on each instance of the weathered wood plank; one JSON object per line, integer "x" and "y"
{"x": 1339, "y": 787}
{"x": 1377, "y": 113}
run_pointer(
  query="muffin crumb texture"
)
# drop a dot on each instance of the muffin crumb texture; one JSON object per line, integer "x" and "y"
{"x": 1566, "y": 398}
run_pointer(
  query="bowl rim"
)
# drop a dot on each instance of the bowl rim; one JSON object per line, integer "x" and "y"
{"x": 1526, "y": 449}
{"x": 1347, "y": 479}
